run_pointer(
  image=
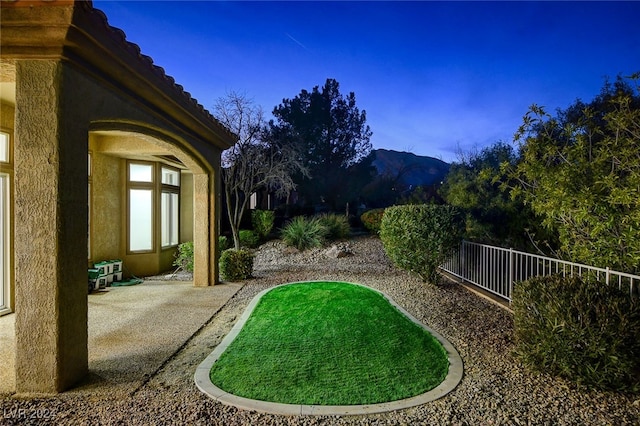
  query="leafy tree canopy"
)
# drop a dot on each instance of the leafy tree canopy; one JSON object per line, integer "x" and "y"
{"x": 476, "y": 185}
{"x": 580, "y": 172}
{"x": 333, "y": 141}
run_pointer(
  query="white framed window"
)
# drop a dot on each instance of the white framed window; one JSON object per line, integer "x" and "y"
{"x": 169, "y": 206}
{"x": 4, "y": 243}
{"x": 140, "y": 199}
{"x": 170, "y": 176}
{"x": 153, "y": 196}
{"x": 89, "y": 209}
{"x": 5, "y": 222}
{"x": 140, "y": 220}
{"x": 141, "y": 172}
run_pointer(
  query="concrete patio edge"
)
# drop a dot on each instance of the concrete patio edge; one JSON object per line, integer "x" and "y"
{"x": 203, "y": 382}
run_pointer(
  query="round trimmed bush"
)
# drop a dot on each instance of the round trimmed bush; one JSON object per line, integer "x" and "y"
{"x": 419, "y": 238}
{"x": 236, "y": 265}
{"x": 371, "y": 220}
{"x": 583, "y": 330}
{"x": 248, "y": 238}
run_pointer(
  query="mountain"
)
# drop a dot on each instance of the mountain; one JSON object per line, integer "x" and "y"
{"x": 413, "y": 170}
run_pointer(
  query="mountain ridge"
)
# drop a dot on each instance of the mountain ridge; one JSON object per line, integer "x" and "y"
{"x": 408, "y": 168}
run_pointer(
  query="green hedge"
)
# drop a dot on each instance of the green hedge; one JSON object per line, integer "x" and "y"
{"x": 582, "y": 330}
{"x": 419, "y": 238}
{"x": 223, "y": 242}
{"x": 371, "y": 220}
{"x": 236, "y": 265}
{"x": 184, "y": 257}
{"x": 262, "y": 221}
{"x": 248, "y": 238}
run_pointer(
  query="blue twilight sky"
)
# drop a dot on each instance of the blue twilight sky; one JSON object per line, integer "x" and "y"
{"x": 432, "y": 76}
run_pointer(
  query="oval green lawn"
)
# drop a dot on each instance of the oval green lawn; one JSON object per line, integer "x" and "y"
{"x": 329, "y": 343}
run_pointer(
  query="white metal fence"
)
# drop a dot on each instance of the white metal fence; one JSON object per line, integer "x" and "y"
{"x": 495, "y": 269}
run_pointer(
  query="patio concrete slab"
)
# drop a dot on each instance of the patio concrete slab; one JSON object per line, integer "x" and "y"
{"x": 133, "y": 332}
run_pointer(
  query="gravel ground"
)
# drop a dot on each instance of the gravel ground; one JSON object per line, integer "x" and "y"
{"x": 495, "y": 388}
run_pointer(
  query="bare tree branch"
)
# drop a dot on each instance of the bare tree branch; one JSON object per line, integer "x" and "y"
{"x": 252, "y": 164}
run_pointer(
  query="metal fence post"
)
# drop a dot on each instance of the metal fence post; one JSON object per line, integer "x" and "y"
{"x": 510, "y": 273}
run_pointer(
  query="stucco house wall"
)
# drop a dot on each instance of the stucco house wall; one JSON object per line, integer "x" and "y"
{"x": 78, "y": 86}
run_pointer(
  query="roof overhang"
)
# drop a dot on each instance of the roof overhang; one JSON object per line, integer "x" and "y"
{"x": 76, "y": 32}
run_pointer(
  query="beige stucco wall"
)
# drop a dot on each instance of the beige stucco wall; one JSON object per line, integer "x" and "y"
{"x": 186, "y": 207}
{"x": 50, "y": 156}
{"x": 106, "y": 205}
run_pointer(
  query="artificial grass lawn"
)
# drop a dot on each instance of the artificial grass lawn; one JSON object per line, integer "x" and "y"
{"x": 329, "y": 343}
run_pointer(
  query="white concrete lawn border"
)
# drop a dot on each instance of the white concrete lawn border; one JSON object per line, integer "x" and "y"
{"x": 203, "y": 381}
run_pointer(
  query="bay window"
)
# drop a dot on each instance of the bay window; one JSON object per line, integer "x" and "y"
{"x": 152, "y": 187}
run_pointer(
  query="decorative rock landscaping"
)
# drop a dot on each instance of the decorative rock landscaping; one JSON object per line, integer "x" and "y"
{"x": 495, "y": 388}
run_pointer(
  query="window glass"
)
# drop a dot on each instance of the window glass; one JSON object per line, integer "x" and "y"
{"x": 4, "y": 241}
{"x": 89, "y": 222}
{"x": 140, "y": 172}
{"x": 89, "y": 210}
{"x": 4, "y": 147}
{"x": 169, "y": 218}
{"x": 140, "y": 219}
{"x": 170, "y": 177}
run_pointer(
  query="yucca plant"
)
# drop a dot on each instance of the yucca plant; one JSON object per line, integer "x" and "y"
{"x": 337, "y": 226}
{"x": 303, "y": 233}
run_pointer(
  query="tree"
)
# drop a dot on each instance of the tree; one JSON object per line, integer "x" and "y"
{"x": 477, "y": 186}
{"x": 333, "y": 141}
{"x": 254, "y": 162}
{"x": 580, "y": 172}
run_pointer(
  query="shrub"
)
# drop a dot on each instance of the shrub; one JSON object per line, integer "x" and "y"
{"x": 303, "y": 233}
{"x": 419, "y": 238}
{"x": 371, "y": 220}
{"x": 184, "y": 257}
{"x": 236, "y": 265}
{"x": 583, "y": 330}
{"x": 223, "y": 242}
{"x": 336, "y": 225}
{"x": 262, "y": 221}
{"x": 248, "y": 238}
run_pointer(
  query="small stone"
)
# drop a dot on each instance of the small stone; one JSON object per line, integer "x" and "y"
{"x": 336, "y": 252}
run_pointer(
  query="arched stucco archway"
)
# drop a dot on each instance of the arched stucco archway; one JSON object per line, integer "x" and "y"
{"x": 112, "y": 144}
{"x": 72, "y": 76}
